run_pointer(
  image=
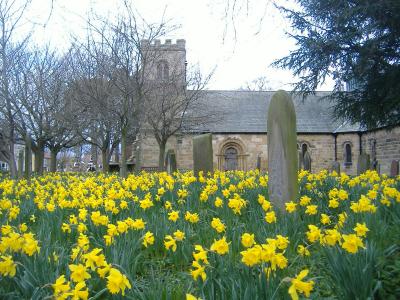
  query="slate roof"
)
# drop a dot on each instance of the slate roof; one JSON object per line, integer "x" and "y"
{"x": 246, "y": 112}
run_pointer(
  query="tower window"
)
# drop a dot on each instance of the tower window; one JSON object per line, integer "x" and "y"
{"x": 162, "y": 70}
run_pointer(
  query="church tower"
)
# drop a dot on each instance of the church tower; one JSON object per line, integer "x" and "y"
{"x": 165, "y": 61}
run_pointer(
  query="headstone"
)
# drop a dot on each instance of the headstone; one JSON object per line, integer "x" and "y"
{"x": 336, "y": 167}
{"x": 394, "y": 168}
{"x": 170, "y": 161}
{"x": 202, "y": 153}
{"x": 363, "y": 163}
{"x": 377, "y": 167}
{"x": 300, "y": 160}
{"x": 282, "y": 150}
{"x": 258, "y": 167}
{"x": 20, "y": 163}
{"x": 307, "y": 161}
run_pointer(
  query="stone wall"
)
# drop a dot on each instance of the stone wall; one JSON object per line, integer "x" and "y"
{"x": 250, "y": 146}
{"x": 387, "y": 146}
{"x": 353, "y": 140}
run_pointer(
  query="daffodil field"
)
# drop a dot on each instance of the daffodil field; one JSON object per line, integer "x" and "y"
{"x": 157, "y": 236}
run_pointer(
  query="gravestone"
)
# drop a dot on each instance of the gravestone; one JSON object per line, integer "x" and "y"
{"x": 282, "y": 150}
{"x": 377, "y": 167}
{"x": 20, "y": 163}
{"x": 202, "y": 153}
{"x": 363, "y": 163}
{"x": 170, "y": 161}
{"x": 307, "y": 161}
{"x": 336, "y": 167}
{"x": 258, "y": 167}
{"x": 300, "y": 160}
{"x": 394, "y": 168}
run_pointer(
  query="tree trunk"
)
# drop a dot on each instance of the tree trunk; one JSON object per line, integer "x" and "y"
{"x": 161, "y": 165}
{"x": 28, "y": 158}
{"x": 53, "y": 159}
{"x": 93, "y": 155}
{"x": 39, "y": 158}
{"x": 104, "y": 160}
{"x": 123, "y": 170}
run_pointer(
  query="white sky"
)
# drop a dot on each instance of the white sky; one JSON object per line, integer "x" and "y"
{"x": 260, "y": 34}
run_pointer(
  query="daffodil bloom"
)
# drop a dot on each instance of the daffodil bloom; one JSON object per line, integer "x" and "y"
{"x": 191, "y": 297}
{"x": 179, "y": 235}
{"x": 79, "y": 273}
{"x": 311, "y": 210}
{"x": 220, "y": 246}
{"x": 218, "y": 202}
{"x": 325, "y": 219}
{"x": 252, "y": 256}
{"x": 247, "y": 240}
{"x": 148, "y": 239}
{"x": 7, "y": 266}
{"x": 270, "y": 217}
{"x": 300, "y": 286}
{"x": 79, "y": 292}
{"x": 94, "y": 259}
{"x": 282, "y": 242}
{"x": 351, "y": 243}
{"x": 303, "y": 251}
{"x": 200, "y": 254}
{"x": 290, "y": 206}
{"x": 217, "y": 224}
{"x": 173, "y": 215}
{"x": 305, "y": 200}
{"x": 198, "y": 271}
{"x": 169, "y": 242}
{"x": 62, "y": 288}
{"x": 361, "y": 229}
{"x": 117, "y": 282}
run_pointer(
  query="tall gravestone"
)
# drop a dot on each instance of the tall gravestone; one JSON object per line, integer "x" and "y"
{"x": 307, "y": 161}
{"x": 363, "y": 163}
{"x": 282, "y": 150}
{"x": 170, "y": 161}
{"x": 394, "y": 168}
{"x": 202, "y": 153}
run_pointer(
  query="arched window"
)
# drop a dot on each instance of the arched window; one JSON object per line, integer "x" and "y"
{"x": 162, "y": 70}
{"x": 347, "y": 155}
{"x": 231, "y": 159}
{"x": 304, "y": 149}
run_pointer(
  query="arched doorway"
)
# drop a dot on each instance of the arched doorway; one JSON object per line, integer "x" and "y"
{"x": 231, "y": 155}
{"x": 231, "y": 159}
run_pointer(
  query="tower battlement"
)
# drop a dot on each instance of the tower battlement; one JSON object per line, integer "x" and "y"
{"x": 168, "y": 45}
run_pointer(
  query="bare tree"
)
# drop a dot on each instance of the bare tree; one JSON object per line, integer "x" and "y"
{"x": 169, "y": 103}
{"x": 91, "y": 92}
{"x": 124, "y": 39}
{"x": 259, "y": 84}
{"x": 41, "y": 89}
{"x": 11, "y": 14}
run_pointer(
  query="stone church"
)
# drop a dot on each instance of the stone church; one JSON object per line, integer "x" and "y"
{"x": 240, "y": 137}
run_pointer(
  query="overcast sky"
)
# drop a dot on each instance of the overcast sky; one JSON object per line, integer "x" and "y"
{"x": 241, "y": 50}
